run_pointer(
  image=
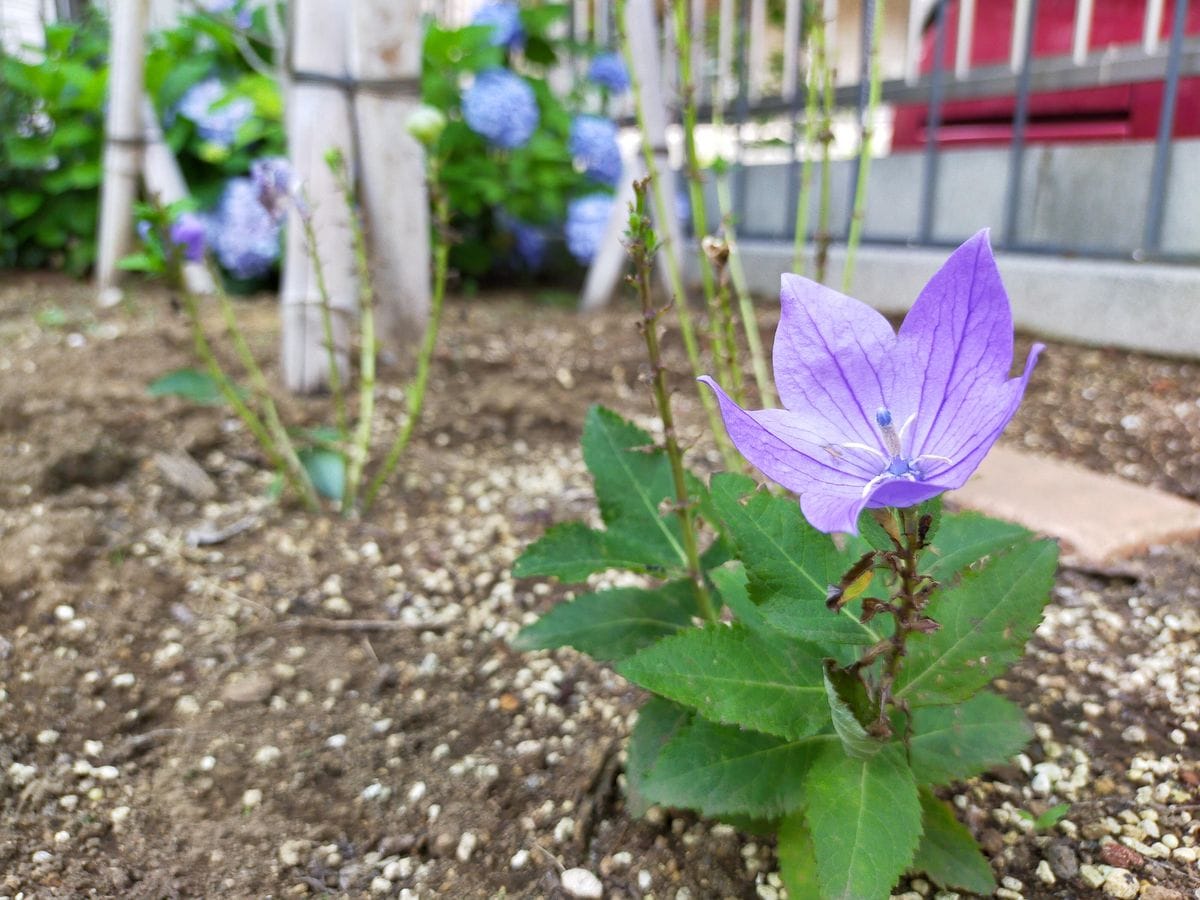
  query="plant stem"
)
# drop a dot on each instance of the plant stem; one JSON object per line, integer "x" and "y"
{"x": 335, "y": 372}
{"x": 283, "y": 443}
{"x": 905, "y": 612}
{"x": 816, "y": 42}
{"x": 864, "y": 153}
{"x": 758, "y": 360}
{"x": 360, "y": 444}
{"x": 641, "y": 248}
{"x": 674, "y": 271}
{"x": 724, "y": 350}
{"x": 416, "y": 390}
{"x": 824, "y": 236}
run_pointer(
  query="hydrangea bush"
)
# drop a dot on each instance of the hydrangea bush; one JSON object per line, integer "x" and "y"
{"x": 822, "y": 689}
{"x": 518, "y": 156}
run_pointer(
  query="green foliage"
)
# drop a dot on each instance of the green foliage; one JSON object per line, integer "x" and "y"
{"x": 52, "y": 130}
{"x": 190, "y": 384}
{"x": 326, "y": 469}
{"x": 484, "y": 185}
{"x": 797, "y": 717}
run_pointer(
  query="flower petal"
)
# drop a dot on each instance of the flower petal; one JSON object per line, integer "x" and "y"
{"x": 833, "y": 358}
{"x": 780, "y": 445}
{"x": 959, "y": 336}
{"x": 970, "y": 433}
{"x": 831, "y": 511}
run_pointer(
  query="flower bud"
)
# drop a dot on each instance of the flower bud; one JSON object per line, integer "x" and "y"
{"x": 426, "y": 124}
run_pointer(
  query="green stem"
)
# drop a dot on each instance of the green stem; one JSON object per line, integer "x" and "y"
{"x": 360, "y": 444}
{"x": 905, "y": 612}
{"x": 641, "y": 248}
{"x": 816, "y": 43}
{"x": 283, "y": 443}
{"x": 864, "y": 153}
{"x": 724, "y": 352}
{"x": 335, "y": 372}
{"x": 674, "y": 271}
{"x": 824, "y": 236}
{"x": 416, "y": 391}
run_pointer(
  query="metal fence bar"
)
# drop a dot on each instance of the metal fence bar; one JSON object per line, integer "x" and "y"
{"x": 1156, "y": 204}
{"x": 726, "y": 29}
{"x": 866, "y": 33}
{"x": 964, "y": 39}
{"x": 792, "y": 14}
{"x": 1083, "y": 31}
{"x": 757, "y": 53}
{"x": 932, "y": 124}
{"x": 1152, "y": 26}
{"x": 1016, "y": 154}
{"x": 741, "y": 114}
{"x": 1022, "y": 50}
{"x": 796, "y": 101}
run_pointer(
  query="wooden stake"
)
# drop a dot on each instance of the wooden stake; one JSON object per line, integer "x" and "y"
{"x": 123, "y": 143}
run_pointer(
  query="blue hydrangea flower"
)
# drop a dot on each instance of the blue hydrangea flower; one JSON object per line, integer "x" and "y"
{"x": 876, "y": 418}
{"x": 189, "y": 232}
{"x": 215, "y": 120}
{"x": 593, "y": 143}
{"x": 243, "y": 234}
{"x": 587, "y": 220}
{"x": 505, "y": 19}
{"x": 609, "y": 72}
{"x": 529, "y": 241}
{"x": 275, "y": 182}
{"x": 501, "y": 107}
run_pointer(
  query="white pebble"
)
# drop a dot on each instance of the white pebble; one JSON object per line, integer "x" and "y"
{"x": 336, "y": 741}
{"x": 1044, "y": 873}
{"x": 64, "y": 613}
{"x": 1134, "y": 734}
{"x": 380, "y": 885}
{"x": 564, "y": 830}
{"x": 416, "y": 792}
{"x": 61, "y": 837}
{"x": 124, "y": 680}
{"x": 47, "y": 737}
{"x": 21, "y": 774}
{"x": 267, "y": 755}
{"x": 519, "y": 859}
{"x": 44, "y": 856}
{"x": 252, "y": 797}
{"x": 582, "y": 883}
{"x": 107, "y": 773}
{"x": 466, "y": 846}
{"x": 644, "y": 880}
{"x": 93, "y": 748}
{"x": 119, "y": 815}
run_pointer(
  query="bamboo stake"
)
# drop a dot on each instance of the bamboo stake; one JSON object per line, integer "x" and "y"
{"x": 854, "y": 238}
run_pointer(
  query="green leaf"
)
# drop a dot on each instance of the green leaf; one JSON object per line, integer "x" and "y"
{"x": 613, "y": 624}
{"x": 632, "y": 478}
{"x": 190, "y": 384}
{"x": 724, "y": 771}
{"x": 952, "y": 742}
{"x": 797, "y": 859}
{"x": 986, "y": 619}
{"x": 658, "y": 721}
{"x": 865, "y": 820}
{"x": 855, "y": 740}
{"x": 947, "y": 852}
{"x": 571, "y": 551}
{"x": 738, "y": 677}
{"x": 788, "y": 562}
{"x": 730, "y": 581}
{"x": 1051, "y": 817}
{"x": 326, "y": 469}
{"x": 965, "y": 538}
{"x": 22, "y": 204}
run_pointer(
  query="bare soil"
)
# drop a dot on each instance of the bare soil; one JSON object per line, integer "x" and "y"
{"x": 329, "y": 706}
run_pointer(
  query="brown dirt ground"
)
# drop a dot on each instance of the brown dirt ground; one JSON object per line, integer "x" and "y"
{"x": 180, "y": 721}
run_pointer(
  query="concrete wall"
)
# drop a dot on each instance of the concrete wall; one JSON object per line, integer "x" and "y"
{"x": 1082, "y": 197}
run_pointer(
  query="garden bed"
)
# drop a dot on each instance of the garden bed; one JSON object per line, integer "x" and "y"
{"x": 314, "y": 704}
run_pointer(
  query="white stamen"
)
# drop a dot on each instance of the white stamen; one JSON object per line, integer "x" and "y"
{"x": 856, "y": 446}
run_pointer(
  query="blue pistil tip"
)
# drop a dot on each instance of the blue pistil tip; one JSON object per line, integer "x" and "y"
{"x": 883, "y": 417}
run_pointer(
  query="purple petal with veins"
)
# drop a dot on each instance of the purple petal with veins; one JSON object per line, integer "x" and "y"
{"x": 876, "y": 418}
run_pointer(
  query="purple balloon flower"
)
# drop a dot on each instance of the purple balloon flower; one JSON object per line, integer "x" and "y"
{"x": 874, "y": 418}
{"x": 275, "y": 181}
{"x": 501, "y": 106}
{"x": 593, "y": 141}
{"x": 609, "y": 72}
{"x": 189, "y": 232}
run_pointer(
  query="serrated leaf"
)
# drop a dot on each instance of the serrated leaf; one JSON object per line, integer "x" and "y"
{"x": 658, "y": 721}
{"x": 631, "y": 484}
{"x": 797, "y": 859}
{"x": 965, "y": 538}
{"x": 789, "y": 563}
{"x": 952, "y": 742}
{"x": 570, "y": 551}
{"x": 986, "y": 619}
{"x": 948, "y": 853}
{"x": 730, "y": 581}
{"x": 865, "y": 820}
{"x": 722, "y": 771}
{"x": 855, "y": 740}
{"x": 612, "y": 624}
{"x": 190, "y": 384}
{"x": 326, "y": 470}
{"x": 738, "y": 677}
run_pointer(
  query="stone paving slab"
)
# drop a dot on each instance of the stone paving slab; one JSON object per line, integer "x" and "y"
{"x": 1099, "y": 519}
